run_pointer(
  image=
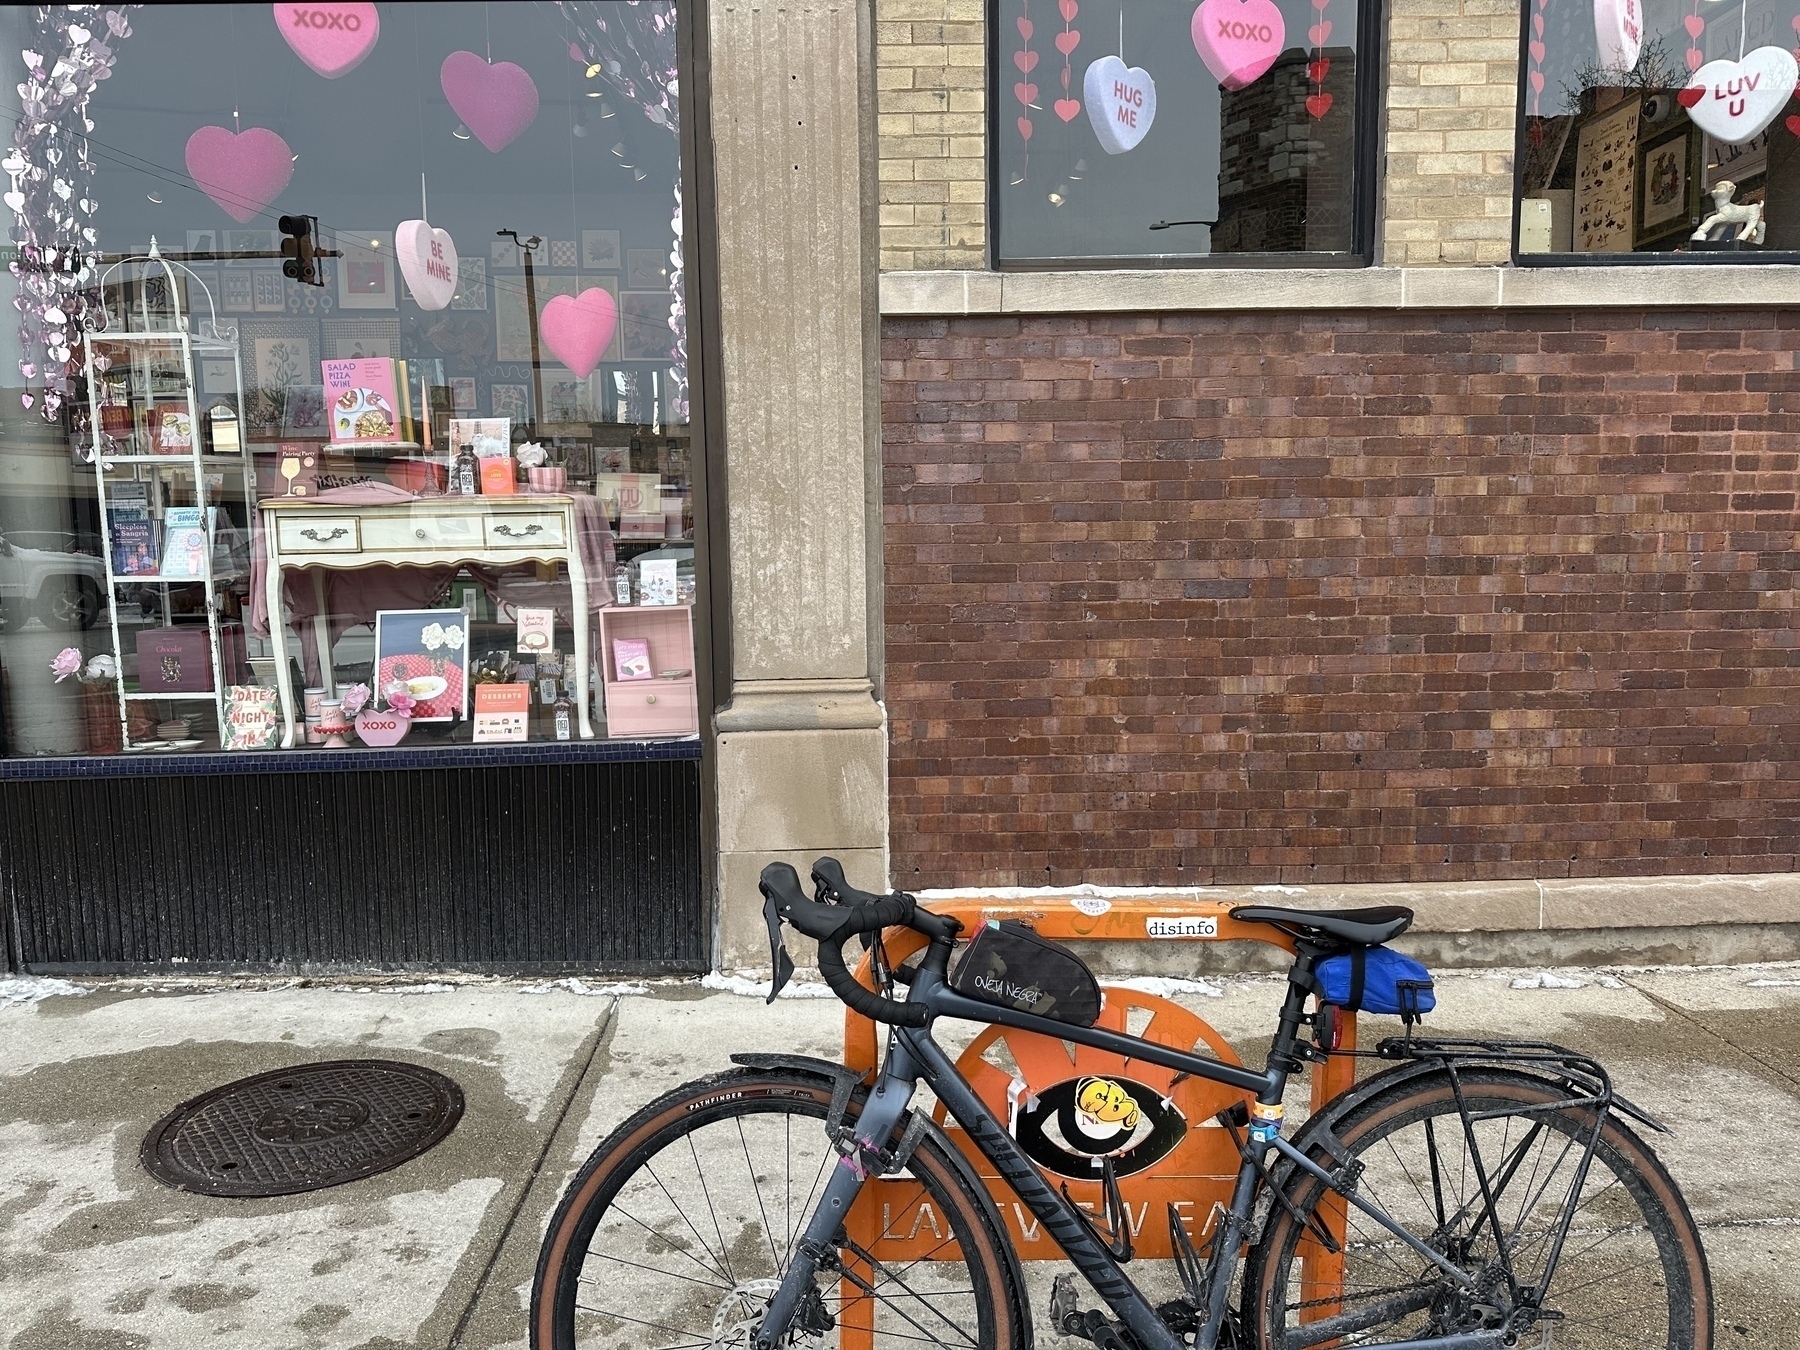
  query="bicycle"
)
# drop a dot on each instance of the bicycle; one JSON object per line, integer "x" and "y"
{"x": 1471, "y": 1195}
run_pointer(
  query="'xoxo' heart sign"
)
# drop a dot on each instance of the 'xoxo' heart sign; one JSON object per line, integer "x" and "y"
{"x": 1121, "y": 103}
{"x": 427, "y": 258}
{"x": 331, "y": 38}
{"x": 1734, "y": 100}
{"x": 1619, "y": 31}
{"x": 1238, "y": 39}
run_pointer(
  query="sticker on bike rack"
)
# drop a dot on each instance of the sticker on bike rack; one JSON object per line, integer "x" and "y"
{"x": 1091, "y": 905}
{"x": 1182, "y": 926}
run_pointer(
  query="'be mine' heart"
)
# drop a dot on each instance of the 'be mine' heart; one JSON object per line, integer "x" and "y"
{"x": 331, "y": 38}
{"x": 242, "y": 173}
{"x": 1121, "y": 103}
{"x": 1238, "y": 39}
{"x": 427, "y": 259}
{"x": 1619, "y": 31}
{"x": 578, "y": 328}
{"x": 496, "y": 102}
{"x": 1734, "y": 100}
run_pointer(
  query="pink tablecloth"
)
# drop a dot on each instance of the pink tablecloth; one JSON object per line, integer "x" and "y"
{"x": 352, "y": 595}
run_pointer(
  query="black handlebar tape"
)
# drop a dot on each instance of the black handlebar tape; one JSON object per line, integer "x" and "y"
{"x": 858, "y": 998}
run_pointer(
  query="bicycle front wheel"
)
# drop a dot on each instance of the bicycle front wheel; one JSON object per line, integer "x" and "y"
{"x": 1629, "y": 1272}
{"x": 678, "y": 1230}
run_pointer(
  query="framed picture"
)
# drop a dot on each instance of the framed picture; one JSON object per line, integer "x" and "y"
{"x": 218, "y": 376}
{"x": 564, "y": 253}
{"x": 512, "y": 321}
{"x": 202, "y": 241}
{"x": 427, "y": 650}
{"x": 261, "y": 243}
{"x": 471, "y": 284}
{"x": 644, "y": 332}
{"x": 277, "y": 355}
{"x": 348, "y": 339}
{"x": 1605, "y": 180}
{"x": 1735, "y": 163}
{"x": 565, "y": 397}
{"x": 1665, "y": 185}
{"x": 599, "y": 250}
{"x": 646, "y": 267}
{"x": 303, "y": 413}
{"x": 237, "y": 291}
{"x": 366, "y": 275}
{"x": 511, "y": 400}
{"x": 462, "y": 393}
{"x": 267, "y": 288}
{"x": 503, "y": 253}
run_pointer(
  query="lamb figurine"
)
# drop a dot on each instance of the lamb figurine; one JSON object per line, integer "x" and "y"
{"x": 1748, "y": 216}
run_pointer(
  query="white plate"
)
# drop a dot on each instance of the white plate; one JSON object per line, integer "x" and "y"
{"x": 427, "y": 686}
{"x": 182, "y": 745}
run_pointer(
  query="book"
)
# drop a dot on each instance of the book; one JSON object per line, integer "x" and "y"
{"x": 134, "y": 551}
{"x": 252, "y": 718}
{"x": 499, "y": 477}
{"x": 362, "y": 399}
{"x": 174, "y": 661}
{"x": 656, "y": 581}
{"x": 631, "y": 658}
{"x": 185, "y": 544}
{"x": 502, "y": 711}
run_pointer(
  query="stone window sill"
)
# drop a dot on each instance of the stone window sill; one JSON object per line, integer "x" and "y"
{"x": 1757, "y": 286}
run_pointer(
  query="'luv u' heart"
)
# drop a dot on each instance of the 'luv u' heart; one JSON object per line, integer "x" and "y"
{"x": 331, "y": 38}
{"x": 1734, "y": 100}
{"x": 1121, "y": 103}
{"x": 495, "y": 101}
{"x": 242, "y": 173}
{"x": 427, "y": 258}
{"x": 577, "y": 329}
{"x": 1619, "y": 31}
{"x": 1238, "y": 39}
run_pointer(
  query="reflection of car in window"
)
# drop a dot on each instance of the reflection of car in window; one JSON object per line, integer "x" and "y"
{"x": 65, "y": 590}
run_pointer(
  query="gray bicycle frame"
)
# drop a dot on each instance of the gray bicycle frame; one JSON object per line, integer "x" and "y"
{"x": 913, "y": 1057}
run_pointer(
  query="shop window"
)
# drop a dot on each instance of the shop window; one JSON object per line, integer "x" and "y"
{"x": 1658, "y": 127}
{"x": 351, "y": 368}
{"x": 1239, "y": 131}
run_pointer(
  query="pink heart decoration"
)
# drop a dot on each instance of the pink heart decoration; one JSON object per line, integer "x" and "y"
{"x": 1537, "y": 51}
{"x": 1066, "y": 42}
{"x": 1694, "y": 24}
{"x": 1318, "y": 104}
{"x": 1025, "y": 61}
{"x": 1024, "y": 125}
{"x": 1619, "y": 30}
{"x": 427, "y": 258}
{"x": 1318, "y": 33}
{"x": 1316, "y": 71}
{"x": 1067, "y": 108}
{"x": 1537, "y": 25}
{"x": 1688, "y": 97}
{"x": 332, "y": 38}
{"x": 578, "y": 328}
{"x": 1026, "y": 28}
{"x": 1537, "y": 81}
{"x": 1025, "y": 93}
{"x": 496, "y": 102}
{"x": 1068, "y": 9}
{"x": 1238, "y": 39}
{"x": 242, "y": 173}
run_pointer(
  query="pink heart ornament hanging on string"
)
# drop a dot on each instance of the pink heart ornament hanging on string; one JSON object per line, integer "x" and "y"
{"x": 1619, "y": 31}
{"x": 1121, "y": 103}
{"x": 427, "y": 258}
{"x": 577, "y": 329}
{"x": 495, "y": 101}
{"x": 1737, "y": 99}
{"x": 332, "y": 38}
{"x": 1238, "y": 39}
{"x": 243, "y": 173}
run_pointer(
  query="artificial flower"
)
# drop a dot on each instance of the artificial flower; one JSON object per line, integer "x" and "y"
{"x": 433, "y": 636}
{"x": 67, "y": 663}
{"x": 99, "y": 669}
{"x": 402, "y": 704}
{"x": 355, "y": 699}
{"x": 453, "y": 636}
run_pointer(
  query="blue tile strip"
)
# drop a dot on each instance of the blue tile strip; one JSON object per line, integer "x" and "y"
{"x": 177, "y": 764}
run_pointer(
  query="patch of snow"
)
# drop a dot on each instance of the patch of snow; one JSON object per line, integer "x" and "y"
{"x": 1774, "y": 984}
{"x": 17, "y": 990}
{"x": 1543, "y": 979}
{"x": 737, "y": 984}
{"x": 572, "y": 985}
{"x": 433, "y": 987}
{"x": 1279, "y": 890}
{"x": 1164, "y": 986}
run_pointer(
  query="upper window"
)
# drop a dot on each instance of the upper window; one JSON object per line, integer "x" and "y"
{"x": 1165, "y": 133}
{"x": 1657, "y": 126}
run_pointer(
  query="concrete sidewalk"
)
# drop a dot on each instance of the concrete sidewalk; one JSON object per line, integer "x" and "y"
{"x": 95, "y": 1255}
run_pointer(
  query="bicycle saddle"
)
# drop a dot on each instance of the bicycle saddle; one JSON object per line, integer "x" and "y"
{"x": 1352, "y": 927}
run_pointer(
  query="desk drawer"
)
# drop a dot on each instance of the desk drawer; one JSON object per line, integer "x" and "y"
{"x": 317, "y": 534}
{"x": 524, "y": 530}
{"x": 651, "y": 708}
{"x": 421, "y": 531}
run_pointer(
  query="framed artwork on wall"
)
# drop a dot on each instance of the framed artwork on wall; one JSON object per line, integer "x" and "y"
{"x": 1665, "y": 185}
{"x": 645, "y": 267}
{"x": 644, "y": 332}
{"x": 511, "y": 400}
{"x": 564, "y": 253}
{"x": 471, "y": 284}
{"x": 277, "y": 355}
{"x": 366, "y": 275}
{"x": 599, "y": 250}
{"x": 348, "y": 339}
{"x": 512, "y": 322}
{"x": 503, "y": 253}
{"x": 1605, "y": 180}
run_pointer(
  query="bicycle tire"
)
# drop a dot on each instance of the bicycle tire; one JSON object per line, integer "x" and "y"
{"x": 1640, "y": 1212}
{"x": 704, "y": 1121}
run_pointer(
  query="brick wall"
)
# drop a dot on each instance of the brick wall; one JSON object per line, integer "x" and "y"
{"x": 931, "y": 127}
{"x": 1359, "y": 597}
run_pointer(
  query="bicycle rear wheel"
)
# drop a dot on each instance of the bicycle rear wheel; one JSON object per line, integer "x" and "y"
{"x": 1631, "y": 1271}
{"x": 676, "y": 1232}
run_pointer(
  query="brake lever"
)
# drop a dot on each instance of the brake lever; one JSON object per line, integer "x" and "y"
{"x": 781, "y": 965}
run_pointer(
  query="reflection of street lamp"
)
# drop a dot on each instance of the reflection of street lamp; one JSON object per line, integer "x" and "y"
{"x": 528, "y": 247}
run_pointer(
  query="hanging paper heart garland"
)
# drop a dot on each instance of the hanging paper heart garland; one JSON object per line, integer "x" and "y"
{"x": 577, "y": 329}
{"x": 1025, "y": 61}
{"x": 1619, "y": 31}
{"x": 427, "y": 258}
{"x": 243, "y": 173}
{"x": 1066, "y": 42}
{"x": 332, "y": 38}
{"x": 1734, "y": 100}
{"x": 1121, "y": 103}
{"x": 495, "y": 101}
{"x": 1240, "y": 39}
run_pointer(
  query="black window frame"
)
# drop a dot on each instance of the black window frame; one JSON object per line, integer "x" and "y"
{"x": 1371, "y": 21}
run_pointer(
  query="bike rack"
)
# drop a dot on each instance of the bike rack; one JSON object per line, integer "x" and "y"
{"x": 1195, "y": 1174}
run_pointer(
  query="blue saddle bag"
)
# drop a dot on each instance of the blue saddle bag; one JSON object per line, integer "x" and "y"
{"x": 1376, "y": 980}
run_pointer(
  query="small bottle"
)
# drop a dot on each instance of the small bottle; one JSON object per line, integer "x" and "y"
{"x": 465, "y": 479}
{"x": 622, "y": 586}
{"x": 564, "y": 714}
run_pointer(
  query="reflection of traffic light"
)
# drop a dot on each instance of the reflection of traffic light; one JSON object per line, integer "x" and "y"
{"x": 299, "y": 246}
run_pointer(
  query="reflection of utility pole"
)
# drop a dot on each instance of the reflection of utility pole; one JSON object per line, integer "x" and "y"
{"x": 528, "y": 247}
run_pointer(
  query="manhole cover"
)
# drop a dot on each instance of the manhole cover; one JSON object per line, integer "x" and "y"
{"x": 303, "y": 1128}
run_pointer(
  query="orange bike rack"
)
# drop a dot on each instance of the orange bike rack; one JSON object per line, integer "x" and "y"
{"x": 895, "y": 1221}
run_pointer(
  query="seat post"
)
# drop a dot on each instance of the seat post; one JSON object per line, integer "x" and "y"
{"x": 1283, "y": 1050}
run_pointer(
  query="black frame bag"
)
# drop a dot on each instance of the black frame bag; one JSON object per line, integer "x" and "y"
{"x": 1008, "y": 964}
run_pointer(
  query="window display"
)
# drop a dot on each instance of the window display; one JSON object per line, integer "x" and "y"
{"x": 1174, "y": 132}
{"x": 351, "y": 379}
{"x": 1663, "y": 127}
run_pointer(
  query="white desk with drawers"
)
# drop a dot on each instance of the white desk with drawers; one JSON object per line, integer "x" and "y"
{"x": 425, "y": 532}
